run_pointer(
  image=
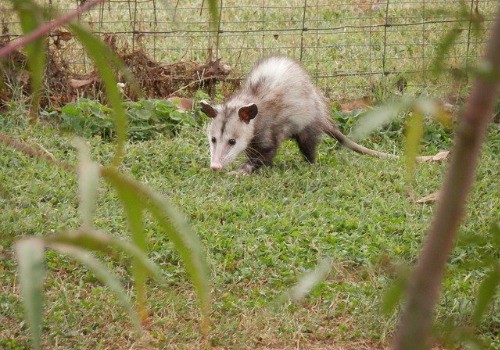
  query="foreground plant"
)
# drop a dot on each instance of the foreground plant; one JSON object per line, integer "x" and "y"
{"x": 134, "y": 197}
{"x": 424, "y": 286}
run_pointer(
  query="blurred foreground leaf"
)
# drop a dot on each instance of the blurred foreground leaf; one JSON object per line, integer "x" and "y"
{"x": 30, "y": 258}
{"x": 414, "y": 133}
{"x": 486, "y": 293}
{"x": 393, "y": 294}
{"x": 98, "y": 241}
{"x": 30, "y": 17}
{"x": 178, "y": 230}
{"x": 214, "y": 14}
{"x": 378, "y": 117}
{"x": 133, "y": 210}
{"x": 88, "y": 180}
{"x": 310, "y": 280}
{"x": 106, "y": 61}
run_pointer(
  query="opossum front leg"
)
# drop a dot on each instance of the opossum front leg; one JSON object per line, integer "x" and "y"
{"x": 257, "y": 158}
{"x": 246, "y": 169}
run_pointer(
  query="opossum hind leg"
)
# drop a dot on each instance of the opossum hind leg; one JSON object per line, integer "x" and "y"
{"x": 308, "y": 140}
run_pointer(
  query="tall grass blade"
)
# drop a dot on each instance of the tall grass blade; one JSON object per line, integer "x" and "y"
{"x": 214, "y": 13}
{"x": 102, "y": 273}
{"x": 30, "y": 258}
{"x": 133, "y": 210}
{"x": 30, "y": 18}
{"x": 88, "y": 180}
{"x": 414, "y": 134}
{"x": 178, "y": 231}
{"x": 106, "y": 61}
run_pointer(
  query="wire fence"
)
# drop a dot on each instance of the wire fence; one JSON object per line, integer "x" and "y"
{"x": 351, "y": 48}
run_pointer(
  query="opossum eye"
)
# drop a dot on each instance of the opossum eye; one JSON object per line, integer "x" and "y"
{"x": 232, "y": 142}
{"x": 214, "y": 139}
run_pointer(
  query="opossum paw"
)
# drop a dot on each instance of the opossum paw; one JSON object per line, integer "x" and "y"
{"x": 239, "y": 172}
{"x": 244, "y": 170}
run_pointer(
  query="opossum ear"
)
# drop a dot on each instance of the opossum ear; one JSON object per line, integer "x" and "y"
{"x": 208, "y": 110}
{"x": 247, "y": 113}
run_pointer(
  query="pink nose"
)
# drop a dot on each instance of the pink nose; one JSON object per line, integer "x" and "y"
{"x": 216, "y": 166}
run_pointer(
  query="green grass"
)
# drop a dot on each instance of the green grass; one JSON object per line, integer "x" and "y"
{"x": 261, "y": 233}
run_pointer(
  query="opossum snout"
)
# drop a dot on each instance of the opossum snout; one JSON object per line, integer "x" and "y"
{"x": 216, "y": 166}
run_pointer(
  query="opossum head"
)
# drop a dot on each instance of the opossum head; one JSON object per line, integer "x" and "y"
{"x": 230, "y": 131}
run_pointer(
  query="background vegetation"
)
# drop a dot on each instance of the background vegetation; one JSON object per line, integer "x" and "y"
{"x": 260, "y": 234}
{"x": 351, "y": 48}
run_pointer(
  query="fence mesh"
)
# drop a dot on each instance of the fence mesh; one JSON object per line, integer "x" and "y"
{"x": 351, "y": 48}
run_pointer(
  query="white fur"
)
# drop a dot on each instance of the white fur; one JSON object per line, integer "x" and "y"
{"x": 274, "y": 69}
{"x": 285, "y": 97}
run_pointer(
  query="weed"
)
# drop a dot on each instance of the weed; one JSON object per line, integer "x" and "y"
{"x": 147, "y": 119}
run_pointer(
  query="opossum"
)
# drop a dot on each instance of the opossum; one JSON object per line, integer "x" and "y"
{"x": 278, "y": 101}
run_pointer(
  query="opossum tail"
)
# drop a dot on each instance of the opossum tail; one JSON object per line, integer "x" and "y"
{"x": 334, "y": 132}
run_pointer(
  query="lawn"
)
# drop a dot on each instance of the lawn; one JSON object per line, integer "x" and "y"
{"x": 261, "y": 234}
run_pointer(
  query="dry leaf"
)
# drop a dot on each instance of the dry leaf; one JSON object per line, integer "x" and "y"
{"x": 63, "y": 35}
{"x": 433, "y": 197}
{"x": 76, "y": 83}
{"x": 435, "y": 158}
{"x": 183, "y": 104}
{"x": 360, "y": 103}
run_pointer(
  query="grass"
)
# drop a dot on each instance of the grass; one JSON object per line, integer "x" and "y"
{"x": 261, "y": 234}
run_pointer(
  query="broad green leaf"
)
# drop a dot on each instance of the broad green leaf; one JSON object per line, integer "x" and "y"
{"x": 98, "y": 241}
{"x": 378, "y": 117}
{"x": 102, "y": 273}
{"x": 30, "y": 258}
{"x": 105, "y": 61}
{"x": 414, "y": 134}
{"x": 310, "y": 280}
{"x": 486, "y": 293}
{"x": 88, "y": 180}
{"x": 178, "y": 231}
{"x": 30, "y": 17}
